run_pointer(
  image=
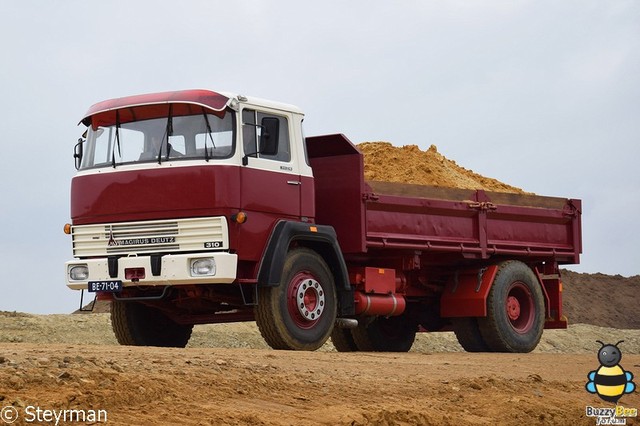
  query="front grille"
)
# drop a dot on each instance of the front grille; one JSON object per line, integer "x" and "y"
{"x": 155, "y": 236}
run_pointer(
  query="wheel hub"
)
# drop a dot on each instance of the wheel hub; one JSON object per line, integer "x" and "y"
{"x": 310, "y": 299}
{"x": 513, "y": 308}
{"x": 520, "y": 308}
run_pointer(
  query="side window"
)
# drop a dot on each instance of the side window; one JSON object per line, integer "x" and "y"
{"x": 101, "y": 147}
{"x": 252, "y": 130}
{"x": 249, "y": 132}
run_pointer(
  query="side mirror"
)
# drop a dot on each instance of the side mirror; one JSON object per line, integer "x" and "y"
{"x": 269, "y": 136}
{"x": 77, "y": 153}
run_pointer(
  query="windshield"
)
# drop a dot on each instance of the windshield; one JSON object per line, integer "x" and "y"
{"x": 157, "y": 140}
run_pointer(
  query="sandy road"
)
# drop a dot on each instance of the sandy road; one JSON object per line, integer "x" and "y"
{"x": 204, "y": 386}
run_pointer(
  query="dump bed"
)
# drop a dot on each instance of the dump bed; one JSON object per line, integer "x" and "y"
{"x": 451, "y": 224}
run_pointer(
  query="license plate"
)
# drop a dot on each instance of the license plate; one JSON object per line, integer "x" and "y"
{"x": 111, "y": 286}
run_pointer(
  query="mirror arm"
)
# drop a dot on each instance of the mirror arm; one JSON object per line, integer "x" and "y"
{"x": 245, "y": 158}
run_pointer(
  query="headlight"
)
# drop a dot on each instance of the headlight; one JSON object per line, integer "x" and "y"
{"x": 203, "y": 267}
{"x": 79, "y": 273}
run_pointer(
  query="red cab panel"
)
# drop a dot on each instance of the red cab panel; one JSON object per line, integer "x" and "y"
{"x": 162, "y": 193}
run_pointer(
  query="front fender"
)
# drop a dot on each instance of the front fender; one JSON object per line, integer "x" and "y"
{"x": 320, "y": 238}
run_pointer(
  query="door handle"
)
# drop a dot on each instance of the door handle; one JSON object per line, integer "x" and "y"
{"x": 294, "y": 182}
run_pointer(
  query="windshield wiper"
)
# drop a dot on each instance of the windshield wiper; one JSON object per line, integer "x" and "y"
{"x": 206, "y": 151}
{"x": 113, "y": 151}
{"x": 167, "y": 133}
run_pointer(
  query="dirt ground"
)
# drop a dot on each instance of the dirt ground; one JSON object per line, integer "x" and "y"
{"x": 197, "y": 386}
{"x": 228, "y": 376}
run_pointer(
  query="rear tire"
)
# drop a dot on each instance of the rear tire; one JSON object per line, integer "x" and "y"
{"x": 343, "y": 340}
{"x": 393, "y": 334}
{"x": 468, "y": 334}
{"x": 135, "y": 324}
{"x": 298, "y": 314}
{"x": 515, "y": 310}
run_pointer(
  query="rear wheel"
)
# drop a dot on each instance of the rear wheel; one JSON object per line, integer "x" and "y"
{"x": 468, "y": 334}
{"x": 343, "y": 340}
{"x": 135, "y": 324}
{"x": 515, "y": 310}
{"x": 393, "y": 334}
{"x": 299, "y": 313}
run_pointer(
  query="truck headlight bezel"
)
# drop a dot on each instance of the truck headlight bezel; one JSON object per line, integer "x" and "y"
{"x": 203, "y": 267}
{"x": 78, "y": 272}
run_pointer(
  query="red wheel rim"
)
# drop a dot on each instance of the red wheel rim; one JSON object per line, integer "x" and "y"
{"x": 305, "y": 300}
{"x": 520, "y": 307}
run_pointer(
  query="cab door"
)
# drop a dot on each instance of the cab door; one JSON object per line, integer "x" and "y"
{"x": 270, "y": 177}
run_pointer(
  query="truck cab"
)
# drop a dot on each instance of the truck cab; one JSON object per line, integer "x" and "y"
{"x": 169, "y": 175}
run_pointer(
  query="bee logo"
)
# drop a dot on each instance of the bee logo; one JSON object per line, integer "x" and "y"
{"x": 610, "y": 381}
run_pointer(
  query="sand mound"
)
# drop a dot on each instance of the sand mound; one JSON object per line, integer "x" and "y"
{"x": 409, "y": 164}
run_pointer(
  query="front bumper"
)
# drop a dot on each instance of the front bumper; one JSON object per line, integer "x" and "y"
{"x": 175, "y": 270}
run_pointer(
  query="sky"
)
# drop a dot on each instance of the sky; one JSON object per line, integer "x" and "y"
{"x": 540, "y": 94}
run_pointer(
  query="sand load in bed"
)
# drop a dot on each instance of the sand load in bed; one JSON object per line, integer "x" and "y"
{"x": 409, "y": 164}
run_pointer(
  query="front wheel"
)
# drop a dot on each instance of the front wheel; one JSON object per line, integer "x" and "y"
{"x": 299, "y": 313}
{"x": 515, "y": 310}
{"x": 136, "y": 324}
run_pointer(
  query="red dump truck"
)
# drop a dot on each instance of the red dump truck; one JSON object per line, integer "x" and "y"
{"x": 194, "y": 207}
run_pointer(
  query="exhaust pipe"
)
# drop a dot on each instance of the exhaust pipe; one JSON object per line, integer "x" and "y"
{"x": 346, "y": 323}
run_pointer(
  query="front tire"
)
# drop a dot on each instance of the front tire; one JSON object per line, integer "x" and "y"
{"x": 515, "y": 310}
{"x": 298, "y": 314}
{"x": 135, "y": 324}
